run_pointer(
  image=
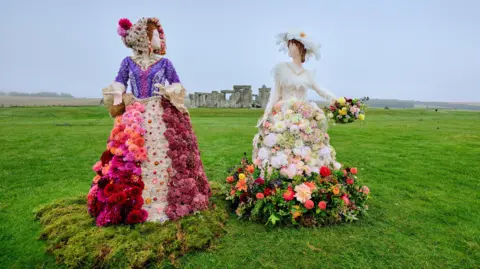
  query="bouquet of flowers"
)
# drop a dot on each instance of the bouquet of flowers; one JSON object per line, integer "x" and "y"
{"x": 325, "y": 197}
{"x": 346, "y": 110}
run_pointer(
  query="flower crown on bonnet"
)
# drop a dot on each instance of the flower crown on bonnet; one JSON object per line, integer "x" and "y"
{"x": 313, "y": 50}
{"x": 136, "y": 37}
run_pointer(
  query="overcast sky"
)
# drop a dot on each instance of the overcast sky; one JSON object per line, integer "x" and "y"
{"x": 405, "y": 49}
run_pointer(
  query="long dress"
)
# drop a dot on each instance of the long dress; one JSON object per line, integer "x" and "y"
{"x": 295, "y": 177}
{"x": 151, "y": 169}
{"x": 292, "y": 135}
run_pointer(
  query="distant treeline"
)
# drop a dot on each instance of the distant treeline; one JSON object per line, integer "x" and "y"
{"x": 38, "y": 94}
{"x": 414, "y": 104}
{"x": 392, "y": 103}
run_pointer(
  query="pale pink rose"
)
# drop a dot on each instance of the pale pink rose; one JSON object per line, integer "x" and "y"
{"x": 308, "y": 170}
{"x": 366, "y": 190}
{"x": 303, "y": 193}
{"x": 274, "y": 150}
{"x": 284, "y": 172}
{"x": 292, "y": 170}
{"x": 300, "y": 165}
{"x": 277, "y": 106}
{"x": 257, "y": 162}
{"x": 345, "y": 199}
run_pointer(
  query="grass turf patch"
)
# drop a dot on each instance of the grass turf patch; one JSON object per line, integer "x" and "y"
{"x": 73, "y": 238}
{"x": 419, "y": 164}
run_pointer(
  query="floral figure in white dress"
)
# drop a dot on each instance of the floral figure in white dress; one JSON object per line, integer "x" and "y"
{"x": 295, "y": 177}
{"x": 292, "y": 133}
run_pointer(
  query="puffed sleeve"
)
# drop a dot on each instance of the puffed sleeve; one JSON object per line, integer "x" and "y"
{"x": 112, "y": 95}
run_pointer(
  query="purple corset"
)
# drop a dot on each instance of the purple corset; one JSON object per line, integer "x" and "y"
{"x": 142, "y": 81}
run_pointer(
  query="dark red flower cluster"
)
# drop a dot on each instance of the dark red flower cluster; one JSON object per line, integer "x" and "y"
{"x": 125, "y": 24}
{"x": 189, "y": 190}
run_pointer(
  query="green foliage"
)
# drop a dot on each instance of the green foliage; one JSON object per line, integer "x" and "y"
{"x": 75, "y": 240}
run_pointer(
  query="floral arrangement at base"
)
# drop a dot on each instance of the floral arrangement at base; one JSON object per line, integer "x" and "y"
{"x": 116, "y": 193}
{"x": 347, "y": 110}
{"x": 325, "y": 197}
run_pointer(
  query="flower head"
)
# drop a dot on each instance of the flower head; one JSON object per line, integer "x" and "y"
{"x": 270, "y": 140}
{"x": 259, "y": 181}
{"x": 241, "y": 185}
{"x": 309, "y": 204}
{"x": 267, "y": 192}
{"x": 289, "y": 194}
{"x": 125, "y": 24}
{"x": 353, "y": 170}
{"x": 336, "y": 190}
{"x": 137, "y": 216}
{"x": 365, "y": 190}
{"x": 303, "y": 193}
{"x": 325, "y": 171}
{"x": 260, "y": 196}
{"x": 311, "y": 185}
{"x": 322, "y": 205}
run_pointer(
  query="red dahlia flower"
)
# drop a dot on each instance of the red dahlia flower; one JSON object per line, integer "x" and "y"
{"x": 325, "y": 171}
{"x": 125, "y": 23}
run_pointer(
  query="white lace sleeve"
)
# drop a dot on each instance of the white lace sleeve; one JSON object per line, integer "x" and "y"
{"x": 324, "y": 93}
{"x": 275, "y": 95}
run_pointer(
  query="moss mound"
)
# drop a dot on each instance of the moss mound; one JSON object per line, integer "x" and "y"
{"x": 72, "y": 236}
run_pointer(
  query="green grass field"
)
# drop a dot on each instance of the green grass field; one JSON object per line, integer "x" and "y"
{"x": 422, "y": 168}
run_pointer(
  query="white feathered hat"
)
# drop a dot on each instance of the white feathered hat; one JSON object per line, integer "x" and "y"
{"x": 313, "y": 50}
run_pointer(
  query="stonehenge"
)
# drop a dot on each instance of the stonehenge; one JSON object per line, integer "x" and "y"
{"x": 240, "y": 97}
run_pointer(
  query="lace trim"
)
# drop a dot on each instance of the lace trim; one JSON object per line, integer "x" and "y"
{"x": 143, "y": 63}
{"x": 295, "y": 72}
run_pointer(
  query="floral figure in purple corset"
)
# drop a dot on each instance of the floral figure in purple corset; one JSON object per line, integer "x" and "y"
{"x": 151, "y": 169}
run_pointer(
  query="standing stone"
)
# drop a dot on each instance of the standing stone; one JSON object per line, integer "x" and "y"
{"x": 188, "y": 101}
{"x": 264, "y": 94}
{"x": 228, "y": 102}
{"x": 244, "y": 95}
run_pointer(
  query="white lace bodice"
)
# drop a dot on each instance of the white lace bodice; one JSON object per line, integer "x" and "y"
{"x": 292, "y": 81}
